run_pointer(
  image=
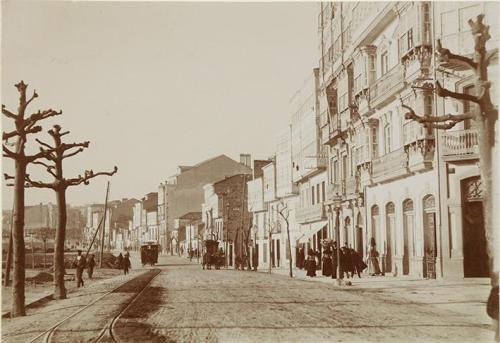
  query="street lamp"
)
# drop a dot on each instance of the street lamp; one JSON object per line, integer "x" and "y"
{"x": 337, "y": 200}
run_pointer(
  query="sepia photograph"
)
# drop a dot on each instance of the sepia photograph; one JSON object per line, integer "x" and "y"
{"x": 250, "y": 171}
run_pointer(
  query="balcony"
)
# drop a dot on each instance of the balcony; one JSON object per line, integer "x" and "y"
{"x": 383, "y": 90}
{"x": 391, "y": 166}
{"x": 461, "y": 145}
{"x": 333, "y": 189}
{"x": 351, "y": 187}
{"x": 362, "y": 154}
{"x": 310, "y": 213}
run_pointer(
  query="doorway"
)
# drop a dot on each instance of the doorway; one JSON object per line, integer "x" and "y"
{"x": 430, "y": 247}
{"x": 390, "y": 224}
{"x": 359, "y": 235}
{"x": 407, "y": 234}
{"x": 474, "y": 240}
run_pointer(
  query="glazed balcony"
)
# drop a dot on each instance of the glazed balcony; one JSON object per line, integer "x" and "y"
{"x": 333, "y": 189}
{"x": 385, "y": 88}
{"x": 310, "y": 213}
{"x": 460, "y": 145}
{"x": 391, "y": 166}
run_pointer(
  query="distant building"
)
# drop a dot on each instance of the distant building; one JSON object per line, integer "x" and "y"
{"x": 183, "y": 192}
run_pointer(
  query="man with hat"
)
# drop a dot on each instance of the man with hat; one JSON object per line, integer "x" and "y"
{"x": 79, "y": 263}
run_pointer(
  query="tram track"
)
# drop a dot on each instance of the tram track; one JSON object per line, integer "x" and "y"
{"x": 143, "y": 279}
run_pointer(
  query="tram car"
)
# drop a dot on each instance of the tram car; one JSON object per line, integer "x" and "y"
{"x": 211, "y": 248}
{"x": 149, "y": 253}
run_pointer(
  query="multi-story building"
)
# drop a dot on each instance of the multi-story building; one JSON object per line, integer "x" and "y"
{"x": 462, "y": 238}
{"x": 309, "y": 166}
{"x": 375, "y": 57}
{"x": 183, "y": 192}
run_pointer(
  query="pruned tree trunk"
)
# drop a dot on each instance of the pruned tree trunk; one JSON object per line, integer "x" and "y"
{"x": 8, "y": 262}
{"x": 59, "y": 269}
{"x": 18, "y": 277}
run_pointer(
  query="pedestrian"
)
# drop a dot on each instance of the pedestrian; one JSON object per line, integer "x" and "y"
{"x": 345, "y": 265}
{"x": 90, "y": 266}
{"x": 301, "y": 258}
{"x": 119, "y": 261}
{"x": 357, "y": 262}
{"x": 191, "y": 254}
{"x": 373, "y": 266}
{"x": 126, "y": 264}
{"x": 79, "y": 263}
{"x": 311, "y": 263}
{"x": 327, "y": 262}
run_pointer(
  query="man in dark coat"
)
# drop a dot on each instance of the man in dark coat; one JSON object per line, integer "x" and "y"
{"x": 126, "y": 264}
{"x": 345, "y": 262}
{"x": 79, "y": 263}
{"x": 311, "y": 263}
{"x": 90, "y": 266}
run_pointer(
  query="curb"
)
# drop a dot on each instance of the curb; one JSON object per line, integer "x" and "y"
{"x": 35, "y": 303}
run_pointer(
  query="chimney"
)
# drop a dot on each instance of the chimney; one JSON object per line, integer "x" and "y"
{"x": 246, "y": 159}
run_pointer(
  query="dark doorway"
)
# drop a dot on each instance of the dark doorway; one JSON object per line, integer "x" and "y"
{"x": 474, "y": 241}
{"x": 278, "y": 252}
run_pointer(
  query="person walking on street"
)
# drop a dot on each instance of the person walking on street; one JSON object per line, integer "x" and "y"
{"x": 311, "y": 263}
{"x": 327, "y": 262}
{"x": 119, "y": 261}
{"x": 373, "y": 266}
{"x": 335, "y": 262}
{"x": 126, "y": 264}
{"x": 79, "y": 263}
{"x": 90, "y": 266}
{"x": 357, "y": 262}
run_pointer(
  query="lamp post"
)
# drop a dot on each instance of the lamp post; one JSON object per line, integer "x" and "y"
{"x": 337, "y": 200}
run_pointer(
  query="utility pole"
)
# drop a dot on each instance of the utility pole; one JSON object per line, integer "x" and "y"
{"x": 103, "y": 226}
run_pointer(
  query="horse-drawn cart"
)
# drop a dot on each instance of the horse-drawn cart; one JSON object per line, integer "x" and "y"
{"x": 212, "y": 255}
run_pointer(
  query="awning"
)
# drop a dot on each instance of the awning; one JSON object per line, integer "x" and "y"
{"x": 307, "y": 233}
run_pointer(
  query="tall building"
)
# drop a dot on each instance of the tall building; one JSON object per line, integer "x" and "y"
{"x": 183, "y": 193}
{"x": 386, "y": 170}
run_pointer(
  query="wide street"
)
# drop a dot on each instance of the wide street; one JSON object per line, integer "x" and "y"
{"x": 184, "y": 303}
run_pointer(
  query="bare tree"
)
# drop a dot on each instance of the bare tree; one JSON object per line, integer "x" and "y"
{"x": 284, "y": 213}
{"x": 55, "y": 155}
{"x": 24, "y": 126}
{"x": 485, "y": 115}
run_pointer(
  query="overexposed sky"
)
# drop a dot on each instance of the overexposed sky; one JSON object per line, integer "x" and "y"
{"x": 153, "y": 85}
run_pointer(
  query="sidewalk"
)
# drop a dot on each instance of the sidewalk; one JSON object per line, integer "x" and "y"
{"x": 465, "y": 296}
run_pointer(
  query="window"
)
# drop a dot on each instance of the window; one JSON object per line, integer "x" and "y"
{"x": 387, "y": 137}
{"x": 336, "y": 171}
{"x": 427, "y": 23}
{"x": 374, "y": 137}
{"x": 312, "y": 194}
{"x": 323, "y": 190}
{"x": 264, "y": 252}
{"x": 409, "y": 39}
{"x": 344, "y": 167}
{"x": 468, "y": 106}
{"x": 384, "y": 63}
{"x": 318, "y": 199}
{"x": 372, "y": 71}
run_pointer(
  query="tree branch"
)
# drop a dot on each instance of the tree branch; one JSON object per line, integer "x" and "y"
{"x": 446, "y": 55}
{"x": 79, "y": 150}
{"x": 66, "y": 146}
{"x": 8, "y": 177}
{"x": 449, "y": 120}
{"x": 33, "y": 129}
{"x": 42, "y": 154}
{"x": 50, "y": 169}
{"x": 8, "y": 135}
{"x": 9, "y": 153}
{"x": 89, "y": 174}
{"x": 37, "y": 184}
{"x": 41, "y": 115}
{"x": 443, "y": 92}
{"x": 44, "y": 144}
{"x": 32, "y": 98}
{"x": 8, "y": 113}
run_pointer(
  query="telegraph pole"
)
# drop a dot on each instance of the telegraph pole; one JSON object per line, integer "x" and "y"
{"x": 103, "y": 226}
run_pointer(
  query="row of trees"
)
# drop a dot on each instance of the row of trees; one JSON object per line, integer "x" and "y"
{"x": 51, "y": 157}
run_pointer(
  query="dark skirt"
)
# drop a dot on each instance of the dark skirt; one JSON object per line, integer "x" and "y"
{"x": 311, "y": 267}
{"x": 327, "y": 267}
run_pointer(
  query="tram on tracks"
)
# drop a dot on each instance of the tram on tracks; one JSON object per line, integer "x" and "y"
{"x": 149, "y": 253}
{"x": 212, "y": 255}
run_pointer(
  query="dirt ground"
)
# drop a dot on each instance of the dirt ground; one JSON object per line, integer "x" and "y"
{"x": 187, "y": 304}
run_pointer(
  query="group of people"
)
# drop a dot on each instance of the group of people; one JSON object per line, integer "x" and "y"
{"x": 348, "y": 261}
{"x": 123, "y": 262}
{"x": 81, "y": 263}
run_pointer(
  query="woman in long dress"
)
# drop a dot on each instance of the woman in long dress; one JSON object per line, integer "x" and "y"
{"x": 327, "y": 262}
{"x": 373, "y": 266}
{"x": 311, "y": 263}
